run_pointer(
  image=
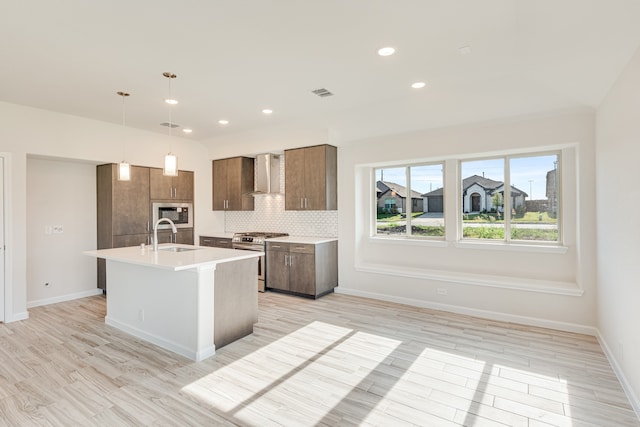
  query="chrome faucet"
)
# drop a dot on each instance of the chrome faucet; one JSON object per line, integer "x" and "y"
{"x": 155, "y": 231}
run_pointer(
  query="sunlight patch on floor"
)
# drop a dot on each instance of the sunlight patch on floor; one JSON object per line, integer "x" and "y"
{"x": 312, "y": 368}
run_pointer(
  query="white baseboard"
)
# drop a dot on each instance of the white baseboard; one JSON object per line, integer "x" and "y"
{"x": 18, "y": 316}
{"x": 161, "y": 342}
{"x": 63, "y": 298}
{"x": 626, "y": 386}
{"x": 486, "y": 314}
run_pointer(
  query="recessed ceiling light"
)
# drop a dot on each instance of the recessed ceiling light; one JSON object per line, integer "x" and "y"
{"x": 267, "y": 111}
{"x": 223, "y": 122}
{"x": 386, "y": 51}
{"x": 171, "y": 101}
{"x": 464, "y": 50}
{"x": 418, "y": 85}
{"x": 187, "y": 130}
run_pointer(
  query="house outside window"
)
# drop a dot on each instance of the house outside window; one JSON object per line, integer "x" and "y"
{"x": 508, "y": 198}
{"x": 499, "y": 198}
{"x": 401, "y": 208}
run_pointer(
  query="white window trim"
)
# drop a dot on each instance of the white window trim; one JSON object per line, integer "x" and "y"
{"x": 474, "y": 279}
{"x": 453, "y": 234}
{"x": 408, "y": 237}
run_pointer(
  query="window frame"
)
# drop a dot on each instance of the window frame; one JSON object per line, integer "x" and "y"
{"x": 453, "y": 234}
{"x": 408, "y": 205}
{"x": 506, "y": 159}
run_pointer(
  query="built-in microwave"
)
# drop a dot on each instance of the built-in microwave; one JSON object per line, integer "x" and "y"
{"x": 181, "y": 214}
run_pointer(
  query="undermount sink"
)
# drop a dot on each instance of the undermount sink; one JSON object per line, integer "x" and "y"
{"x": 177, "y": 249}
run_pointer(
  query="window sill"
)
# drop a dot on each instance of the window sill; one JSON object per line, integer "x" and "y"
{"x": 503, "y": 282}
{"x": 516, "y": 247}
{"x": 399, "y": 240}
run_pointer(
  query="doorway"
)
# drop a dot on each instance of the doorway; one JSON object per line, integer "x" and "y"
{"x": 2, "y": 241}
{"x": 475, "y": 202}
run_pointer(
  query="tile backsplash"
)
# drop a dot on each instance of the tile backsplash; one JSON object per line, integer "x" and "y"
{"x": 269, "y": 215}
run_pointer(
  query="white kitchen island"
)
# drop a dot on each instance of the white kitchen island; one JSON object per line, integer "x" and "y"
{"x": 187, "y": 299}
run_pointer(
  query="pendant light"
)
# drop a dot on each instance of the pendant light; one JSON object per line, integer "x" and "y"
{"x": 170, "y": 160}
{"x": 124, "y": 168}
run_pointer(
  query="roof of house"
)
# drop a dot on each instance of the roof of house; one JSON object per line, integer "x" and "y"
{"x": 398, "y": 189}
{"x": 486, "y": 183}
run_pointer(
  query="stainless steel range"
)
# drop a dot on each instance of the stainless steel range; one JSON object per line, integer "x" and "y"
{"x": 255, "y": 241}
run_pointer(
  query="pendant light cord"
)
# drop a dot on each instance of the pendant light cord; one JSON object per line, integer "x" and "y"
{"x": 124, "y": 146}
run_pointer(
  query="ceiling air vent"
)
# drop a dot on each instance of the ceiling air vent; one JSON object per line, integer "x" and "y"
{"x": 322, "y": 92}
{"x": 167, "y": 124}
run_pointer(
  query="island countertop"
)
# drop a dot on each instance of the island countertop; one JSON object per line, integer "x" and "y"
{"x": 200, "y": 256}
{"x": 302, "y": 239}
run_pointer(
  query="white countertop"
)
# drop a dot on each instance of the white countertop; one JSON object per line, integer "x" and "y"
{"x": 302, "y": 239}
{"x": 175, "y": 261}
{"x": 219, "y": 234}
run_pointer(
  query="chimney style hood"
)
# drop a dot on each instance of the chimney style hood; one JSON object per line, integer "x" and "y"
{"x": 267, "y": 174}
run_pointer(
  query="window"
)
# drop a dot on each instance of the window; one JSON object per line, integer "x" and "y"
{"x": 410, "y": 201}
{"x": 505, "y": 198}
{"x": 511, "y": 198}
{"x": 483, "y": 199}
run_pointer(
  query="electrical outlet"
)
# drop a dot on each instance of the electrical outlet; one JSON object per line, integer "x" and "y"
{"x": 47, "y": 229}
{"x": 57, "y": 229}
{"x": 441, "y": 291}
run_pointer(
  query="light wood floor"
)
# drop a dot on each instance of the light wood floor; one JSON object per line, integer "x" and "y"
{"x": 336, "y": 361}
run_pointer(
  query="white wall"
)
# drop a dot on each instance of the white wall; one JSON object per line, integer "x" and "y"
{"x": 29, "y": 131}
{"x": 564, "y": 291}
{"x": 60, "y": 193}
{"x": 477, "y": 280}
{"x": 618, "y": 151}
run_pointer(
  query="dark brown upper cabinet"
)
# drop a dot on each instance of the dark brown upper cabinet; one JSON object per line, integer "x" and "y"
{"x": 171, "y": 187}
{"x": 233, "y": 184}
{"x": 311, "y": 178}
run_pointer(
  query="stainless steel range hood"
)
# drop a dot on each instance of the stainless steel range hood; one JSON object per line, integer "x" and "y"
{"x": 267, "y": 174}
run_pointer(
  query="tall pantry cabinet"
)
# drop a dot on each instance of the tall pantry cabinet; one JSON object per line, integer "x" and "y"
{"x": 124, "y": 209}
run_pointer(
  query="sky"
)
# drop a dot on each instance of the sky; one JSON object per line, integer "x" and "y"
{"x": 527, "y": 174}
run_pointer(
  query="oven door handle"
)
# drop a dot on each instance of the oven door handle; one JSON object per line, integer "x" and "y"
{"x": 247, "y": 248}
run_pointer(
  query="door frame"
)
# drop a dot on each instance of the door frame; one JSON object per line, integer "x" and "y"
{"x": 6, "y": 252}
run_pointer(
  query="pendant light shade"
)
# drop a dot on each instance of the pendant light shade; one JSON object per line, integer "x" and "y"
{"x": 124, "y": 171}
{"x": 170, "y": 160}
{"x": 170, "y": 165}
{"x": 124, "y": 168}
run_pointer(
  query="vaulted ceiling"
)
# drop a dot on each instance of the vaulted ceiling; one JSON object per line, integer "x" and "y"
{"x": 480, "y": 60}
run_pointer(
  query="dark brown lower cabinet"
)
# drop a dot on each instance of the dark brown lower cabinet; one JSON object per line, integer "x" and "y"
{"x": 303, "y": 269}
{"x": 184, "y": 236}
{"x": 216, "y": 242}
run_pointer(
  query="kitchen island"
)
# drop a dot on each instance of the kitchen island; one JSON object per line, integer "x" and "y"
{"x": 186, "y": 299}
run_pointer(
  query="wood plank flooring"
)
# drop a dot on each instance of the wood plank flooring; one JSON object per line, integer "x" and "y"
{"x": 337, "y": 361}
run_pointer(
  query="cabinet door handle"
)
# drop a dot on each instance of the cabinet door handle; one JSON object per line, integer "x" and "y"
{"x": 276, "y": 246}
{"x": 290, "y": 260}
{"x": 301, "y": 203}
{"x": 285, "y": 260}
{"x": 305, "y": 202}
